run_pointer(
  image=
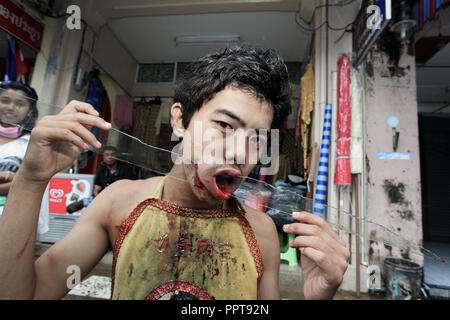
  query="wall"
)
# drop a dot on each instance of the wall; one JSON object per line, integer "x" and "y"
{"x": 112, "y": 56}
{"x": 393, "y": 186}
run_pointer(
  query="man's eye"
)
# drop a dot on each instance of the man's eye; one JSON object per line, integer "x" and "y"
{"x": 224, "y": 125}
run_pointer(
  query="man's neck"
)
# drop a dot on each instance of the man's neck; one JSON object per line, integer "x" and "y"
{"x": 112, "y": 167}
{"x": 178, "y": 190}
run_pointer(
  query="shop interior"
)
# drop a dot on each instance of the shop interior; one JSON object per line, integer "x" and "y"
{"x": 433, "y": 95}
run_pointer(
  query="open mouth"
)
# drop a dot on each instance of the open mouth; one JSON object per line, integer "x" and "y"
{"x": 223, "y": 183}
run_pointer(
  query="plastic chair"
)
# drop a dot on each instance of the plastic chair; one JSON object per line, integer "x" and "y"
{"x": 287, "y": 253}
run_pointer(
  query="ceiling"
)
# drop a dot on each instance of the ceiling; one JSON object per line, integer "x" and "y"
{"x": 147, "y": 28}
{"x": 151, "y": 38}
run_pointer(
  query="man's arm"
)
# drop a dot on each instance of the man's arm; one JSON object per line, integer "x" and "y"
{"x": 267, "y": 237}
{"x": 81, "y": 249}
{"x": 55, "y": 143}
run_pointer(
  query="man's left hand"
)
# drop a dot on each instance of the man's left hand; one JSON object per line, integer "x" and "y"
{"x": 324, "y": 255}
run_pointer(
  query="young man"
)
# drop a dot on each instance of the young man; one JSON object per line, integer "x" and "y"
{"x": 180, "y": 236}
{"x": 110, "y": 170}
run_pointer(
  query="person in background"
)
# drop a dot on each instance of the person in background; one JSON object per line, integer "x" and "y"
{"x": 18, "y": 115}
{"x": 110, "y": 171}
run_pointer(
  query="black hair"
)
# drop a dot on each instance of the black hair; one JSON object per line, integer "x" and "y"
{"x": 29, "y": 121}
{"x": 106, "y": 148}
{"x": 261, "y": 72}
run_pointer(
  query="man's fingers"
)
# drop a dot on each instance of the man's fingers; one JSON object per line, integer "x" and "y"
{"x": 83, "y": 118}
{"x": 76, "y": 128}
{"x": 79, "y": 106}
{"x": 335, "y": 255}
{"x": 309, "y": 218}
{"x": 61, "y": 134}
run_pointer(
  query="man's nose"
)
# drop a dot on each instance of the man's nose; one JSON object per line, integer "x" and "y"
{"x": 235, "y": 149}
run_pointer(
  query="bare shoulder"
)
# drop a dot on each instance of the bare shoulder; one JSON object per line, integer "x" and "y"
{"x": 263, "y": 227}
{"x": 125, "y": 195}
{"x": 260, "y": 221}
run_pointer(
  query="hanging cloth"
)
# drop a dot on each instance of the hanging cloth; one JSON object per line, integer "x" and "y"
{"x": 322, "y": 175}
{"x": 306, "y": 106}
{"x": 94, "y": 98}
{"x": 123, "y": 112}
{"x": 342, "y": 175}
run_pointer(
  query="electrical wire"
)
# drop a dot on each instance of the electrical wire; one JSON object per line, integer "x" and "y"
{"x": 327, "y": 5}
{"x": 303, "y": 24}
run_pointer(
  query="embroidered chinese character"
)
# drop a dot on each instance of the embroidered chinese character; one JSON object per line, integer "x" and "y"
{"x": 224, "y": 250}
{"x": 205, "y": 247}
{"x": 182, "y": 244}
{"x": 161, "y": 242}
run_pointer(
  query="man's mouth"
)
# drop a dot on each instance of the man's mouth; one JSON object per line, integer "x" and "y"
{"x": 221, "y": 183}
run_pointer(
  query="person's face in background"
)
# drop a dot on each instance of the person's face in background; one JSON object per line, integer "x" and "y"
{"x": 14, "y": 107}
{"x": 109, "y": 158}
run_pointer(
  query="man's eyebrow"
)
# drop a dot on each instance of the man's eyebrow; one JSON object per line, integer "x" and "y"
{"x": 231, "y": 115}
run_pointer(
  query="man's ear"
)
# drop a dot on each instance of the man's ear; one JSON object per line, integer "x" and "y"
{"x": 176, "y": 120}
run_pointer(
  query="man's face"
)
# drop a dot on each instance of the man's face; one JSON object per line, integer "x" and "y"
{"x": 109, "y": 157}
{"x": 223, "y": 139}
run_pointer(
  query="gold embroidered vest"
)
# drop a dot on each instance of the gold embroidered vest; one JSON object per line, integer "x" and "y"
{"x": 164, "y": 251}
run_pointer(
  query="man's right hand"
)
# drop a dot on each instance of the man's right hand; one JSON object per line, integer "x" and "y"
{"x": 57, "y": 141}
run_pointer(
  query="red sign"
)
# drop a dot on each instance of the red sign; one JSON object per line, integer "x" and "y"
{"x": 20, "y": 25}
{"x": 63, "y": 192}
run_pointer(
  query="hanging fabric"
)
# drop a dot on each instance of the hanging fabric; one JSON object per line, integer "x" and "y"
{"x": 306, "y": 106}
{"x": 322, "y": 176}
{"x": 139, "y": 119}
{"x": 123, "y": 112}
{"x": 94, "y": 96}
{"x": 16, "y": 68}
{"x": 342, "y": 175}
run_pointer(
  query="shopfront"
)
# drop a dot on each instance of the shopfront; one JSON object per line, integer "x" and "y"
{"x": 21, "y": 37}
{"x": 131, "y": 56}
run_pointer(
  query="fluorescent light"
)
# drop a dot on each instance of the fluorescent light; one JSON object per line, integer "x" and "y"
{"x": 206, "y": 40}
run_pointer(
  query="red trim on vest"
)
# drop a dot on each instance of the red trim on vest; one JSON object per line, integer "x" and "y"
{"x": 178, "y": 285}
